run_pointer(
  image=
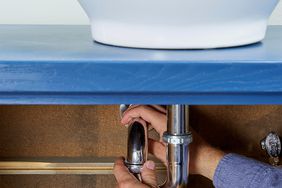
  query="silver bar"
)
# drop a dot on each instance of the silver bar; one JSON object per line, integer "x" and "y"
{"x": 178, "y": 119}
{"x": 79, "y": 166}
{"x": 178, "y": 139}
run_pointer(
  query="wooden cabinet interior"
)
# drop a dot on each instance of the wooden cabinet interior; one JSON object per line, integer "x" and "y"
{"x": 80, "y": 140}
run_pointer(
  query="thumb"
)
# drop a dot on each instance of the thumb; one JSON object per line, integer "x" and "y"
{"x": 148, "y": 174}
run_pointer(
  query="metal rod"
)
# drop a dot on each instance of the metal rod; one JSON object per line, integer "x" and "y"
{"x": 178, "y": 139}
{"x": 178, "y": 119}
{"x": 43, "y": 166}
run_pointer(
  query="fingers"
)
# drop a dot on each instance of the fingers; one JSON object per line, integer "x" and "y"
{"x": 148, "y": 174}
{"x": 159, "y": 108}
{"x": 157, "y": 149}
{"x": 155, "y": 118}
{"x": 122, "y": 175}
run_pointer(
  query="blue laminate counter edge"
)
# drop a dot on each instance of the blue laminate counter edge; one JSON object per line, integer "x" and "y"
{"x": 62, "y": 65}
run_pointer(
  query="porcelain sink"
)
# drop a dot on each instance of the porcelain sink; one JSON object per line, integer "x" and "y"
{"x": 178, "y": 24}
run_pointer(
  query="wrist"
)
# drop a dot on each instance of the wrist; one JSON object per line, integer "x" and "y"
{"x": 209, "y": 158}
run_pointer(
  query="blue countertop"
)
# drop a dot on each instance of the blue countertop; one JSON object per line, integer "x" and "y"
{"x": 62, "y": 65}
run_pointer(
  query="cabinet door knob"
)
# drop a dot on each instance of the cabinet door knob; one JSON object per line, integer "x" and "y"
{"x": 272, "y": 145}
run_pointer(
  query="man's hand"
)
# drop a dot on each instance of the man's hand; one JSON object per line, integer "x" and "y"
{"x": 203, "y": 157}
{"x": 126, "y": 180}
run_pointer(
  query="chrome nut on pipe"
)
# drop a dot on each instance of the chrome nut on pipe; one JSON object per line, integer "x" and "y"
{"x": 178, "y": 140}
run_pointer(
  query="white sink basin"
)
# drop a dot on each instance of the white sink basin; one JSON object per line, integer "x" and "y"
{"x": 178, "y": 24}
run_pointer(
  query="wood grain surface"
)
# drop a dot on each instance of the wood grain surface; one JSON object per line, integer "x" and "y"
{"x": 94, "y": 131}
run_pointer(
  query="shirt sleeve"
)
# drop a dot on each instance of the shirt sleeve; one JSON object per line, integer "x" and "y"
{"x": 237, "y": 171}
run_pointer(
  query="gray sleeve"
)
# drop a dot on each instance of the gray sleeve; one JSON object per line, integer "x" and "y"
{"x": 237, "y": 171}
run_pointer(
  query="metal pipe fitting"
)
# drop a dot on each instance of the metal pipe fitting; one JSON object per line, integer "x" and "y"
{"x": 178, "y": 139}
{"x": 137, "y": 148}
{"x": 137, "y": 144}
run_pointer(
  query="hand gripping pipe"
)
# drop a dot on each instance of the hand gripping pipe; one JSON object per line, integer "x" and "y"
{"x": 177, "y": 139}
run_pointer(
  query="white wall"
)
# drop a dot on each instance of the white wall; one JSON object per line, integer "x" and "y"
{"x": 276, "y": 18}
{"x": 41, "y": 12}
{"x": 61, "y": 12}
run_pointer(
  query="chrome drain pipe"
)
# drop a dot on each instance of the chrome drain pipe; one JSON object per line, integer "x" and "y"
{"x": 137, "y": 148}
{"x": 137, "y": 144}
{"x": 177, "y": 138}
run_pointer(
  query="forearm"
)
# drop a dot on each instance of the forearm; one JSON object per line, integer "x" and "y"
{"x": 208, "y": 160}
